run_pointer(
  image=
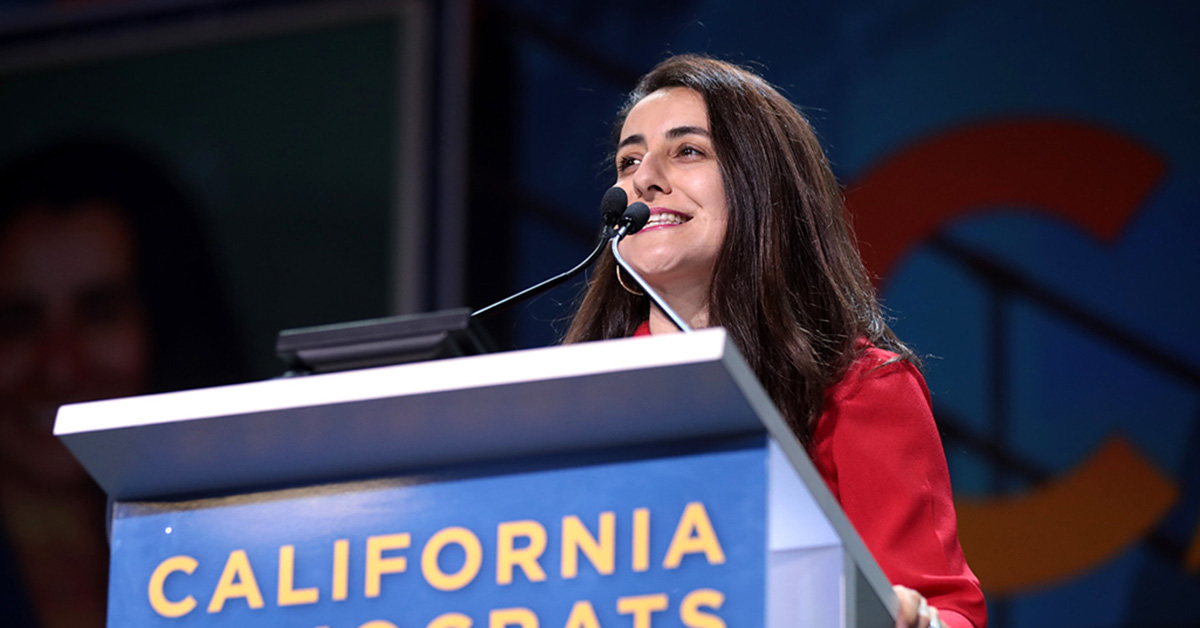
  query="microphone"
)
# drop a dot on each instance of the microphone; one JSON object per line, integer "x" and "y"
{"x": 612, "y": 206}
{"x": 631, "y": 220}
{"x": 635, "y": 217}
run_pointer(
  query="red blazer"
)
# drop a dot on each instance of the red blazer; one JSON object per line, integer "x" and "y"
{"x": 878, "y": 449}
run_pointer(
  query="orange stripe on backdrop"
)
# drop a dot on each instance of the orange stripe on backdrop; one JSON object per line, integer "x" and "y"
{"x": 1088, "y": 176}
{"x": 1068, "y": 526}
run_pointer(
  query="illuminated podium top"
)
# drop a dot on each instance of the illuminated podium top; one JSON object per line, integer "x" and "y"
{"x": 400, "y": 418}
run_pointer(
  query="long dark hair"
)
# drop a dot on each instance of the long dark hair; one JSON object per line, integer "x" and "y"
{"x": 789, "y": 284}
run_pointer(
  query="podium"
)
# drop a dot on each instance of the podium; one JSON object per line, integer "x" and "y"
{"x": 636, "y": 482}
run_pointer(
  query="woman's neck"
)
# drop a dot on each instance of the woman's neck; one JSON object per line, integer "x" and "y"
{"x": 692, "y": 307}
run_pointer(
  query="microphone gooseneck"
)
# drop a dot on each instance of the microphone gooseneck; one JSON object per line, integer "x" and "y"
{"x": 545, "y": 286}
{"x": 632, "y": 221}
{"x": 613, "y": 204}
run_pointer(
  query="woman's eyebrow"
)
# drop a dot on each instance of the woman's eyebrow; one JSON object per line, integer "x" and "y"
{"x": 636, "y": 138}
{"x": 680, "y": 131}
{"x": 671, "y": 134}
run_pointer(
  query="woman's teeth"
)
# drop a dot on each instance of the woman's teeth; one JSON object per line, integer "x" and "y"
{"x": 658, "y": 220}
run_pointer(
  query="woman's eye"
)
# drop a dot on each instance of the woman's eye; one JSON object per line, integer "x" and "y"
{"x": 690, "y": 151}
{"x": 624, "y": 163}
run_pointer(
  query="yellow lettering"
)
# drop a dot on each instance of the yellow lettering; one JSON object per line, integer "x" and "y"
{"x": 503, "y": 617}
{"x": 341, "y": 569}
{"x": 508, "y": 556}
{"x": 377, "y": 565}
{"x": 474, "y": 559}
{"x": 641, "y": 539}
{"x": 450, "y": 620}
{"x": 582, "y": 616}
{"x": 689, "y": 610}
{"x": 641, "y": 606}
{"x": 693, "y": 535}
{"x": 288, "y": 594}
{"x": 237, "y": 580}
{"x": 601, "y": 553}
{"x": 158, "y": 599}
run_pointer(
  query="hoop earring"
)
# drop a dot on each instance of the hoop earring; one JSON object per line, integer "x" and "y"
{"x": 625, "y": 286}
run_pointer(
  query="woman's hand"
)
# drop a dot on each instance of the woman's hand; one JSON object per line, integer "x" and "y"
{"x": 915, "y": 612}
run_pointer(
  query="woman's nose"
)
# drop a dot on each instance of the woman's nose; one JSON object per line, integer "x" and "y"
{"x": 651, "y": 178}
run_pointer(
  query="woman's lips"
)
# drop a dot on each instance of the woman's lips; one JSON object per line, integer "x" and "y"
{"x": 661, "y": 217}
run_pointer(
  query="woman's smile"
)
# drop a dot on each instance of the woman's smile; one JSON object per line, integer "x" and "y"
{"x": 661, "y": 217}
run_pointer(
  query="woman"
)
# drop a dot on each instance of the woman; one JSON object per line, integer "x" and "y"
{"x": 747, "y": 232}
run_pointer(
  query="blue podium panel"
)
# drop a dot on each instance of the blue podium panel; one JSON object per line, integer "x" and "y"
{"x": 678, "y": 538}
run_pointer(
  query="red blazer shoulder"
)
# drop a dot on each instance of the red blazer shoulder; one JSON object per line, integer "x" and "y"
{"x": 878, "y": 449}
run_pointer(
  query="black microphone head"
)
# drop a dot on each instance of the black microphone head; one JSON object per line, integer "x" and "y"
{"x": 613, "y": 205}
{"x": 635, "y": 217}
